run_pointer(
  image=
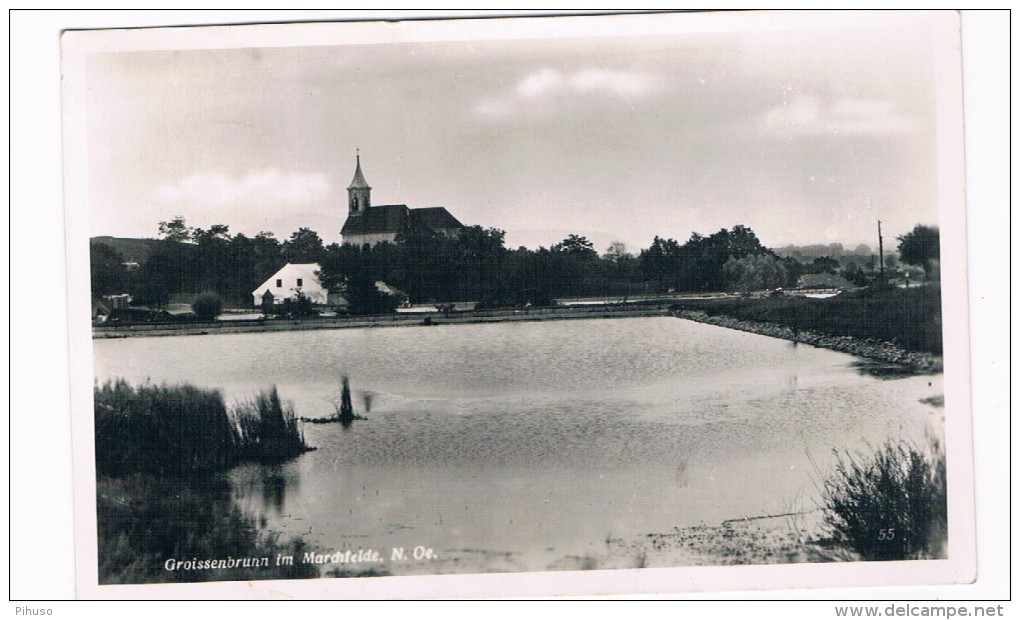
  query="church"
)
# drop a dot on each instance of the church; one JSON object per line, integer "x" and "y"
{"x": 369, "y": 225}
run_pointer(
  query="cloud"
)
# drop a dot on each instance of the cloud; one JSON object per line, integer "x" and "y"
{"x": 540, "y": 83}
{"x": 216, "y": 189}
{"x": 616, "y": 82}
{"x": 547, "y": 84}
{"x": 809, "y": 115}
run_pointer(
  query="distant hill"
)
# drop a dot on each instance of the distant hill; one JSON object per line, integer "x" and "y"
{"x": 133, "y": 250}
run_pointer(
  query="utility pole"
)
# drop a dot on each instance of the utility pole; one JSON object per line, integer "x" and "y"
{"x": 881, "y": 256}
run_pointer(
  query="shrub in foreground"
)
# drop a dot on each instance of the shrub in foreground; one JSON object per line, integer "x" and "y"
{"x": 890, "y": 505}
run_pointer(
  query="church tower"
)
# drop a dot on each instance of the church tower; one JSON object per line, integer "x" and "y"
{"x": 359, "y": 193}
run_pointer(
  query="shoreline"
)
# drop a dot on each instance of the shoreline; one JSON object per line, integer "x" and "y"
{"x": 874, "y": 350}
{"x": 796, "y": 538}
{"x": 395, "y": 320}
{"x": 879, "y": 351}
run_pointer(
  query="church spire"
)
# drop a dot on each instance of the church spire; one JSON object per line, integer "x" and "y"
{"x": 358, "y": 193}
{"x": 359, "y": 178}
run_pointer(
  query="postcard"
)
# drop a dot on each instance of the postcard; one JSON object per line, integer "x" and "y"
{"x": 613, "y": 304}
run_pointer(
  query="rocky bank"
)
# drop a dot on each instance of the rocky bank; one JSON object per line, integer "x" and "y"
{"x": 885, "y": 352}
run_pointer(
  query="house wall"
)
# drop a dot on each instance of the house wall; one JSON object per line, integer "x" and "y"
{"x": 288, "y": 279}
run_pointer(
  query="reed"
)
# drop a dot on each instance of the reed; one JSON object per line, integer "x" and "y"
{"x": 181, "y": 429}
{"x": 268, "y": 430}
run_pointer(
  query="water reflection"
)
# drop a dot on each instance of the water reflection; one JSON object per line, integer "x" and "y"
{"x": 263, "y": 488}
{"x": 881, "y": 370}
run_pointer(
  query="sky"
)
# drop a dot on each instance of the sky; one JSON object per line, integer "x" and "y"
{"x": 807, "y": 135}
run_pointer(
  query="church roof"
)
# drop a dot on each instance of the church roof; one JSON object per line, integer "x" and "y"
{"x": 377, "y": 219}
{"x": 394, "y": 218}
{"x": 435, "y": 218}
{"x": 359, "y": 179}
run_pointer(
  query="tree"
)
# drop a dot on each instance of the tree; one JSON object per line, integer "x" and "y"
{"x": 576, "y": 245}
{"x": 175, "y": 230}
{"x": 755, "y": 272}
{"x": 617, "y": 252}
{"x": 853, "y": 273}
{"x": 109, "y": 275}
{"x": 479, "y": 262}
{"x": 304, "y": 246}
{"x": 365, "y": 298}
{"x": 214, "y": 269}
{"x": 698, "y": 265}
{"x": 920, "y": 247}
{"x": 662, "y": 262}
{"x": 300, "y": 306}
{"x": 824, "y": 264}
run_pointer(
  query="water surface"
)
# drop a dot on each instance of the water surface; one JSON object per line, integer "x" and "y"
{"x": 522, "y": 443}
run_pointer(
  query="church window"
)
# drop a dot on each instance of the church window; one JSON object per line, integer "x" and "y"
{"x": 279, "y": 283}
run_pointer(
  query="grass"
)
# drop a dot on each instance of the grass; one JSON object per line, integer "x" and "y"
{"x": 888, "y": 505}
{"x": 910, "y": 318}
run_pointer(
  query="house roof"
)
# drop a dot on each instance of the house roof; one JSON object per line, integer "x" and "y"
{"x": 291, "y": 270}
{"x": 823, "y": 280}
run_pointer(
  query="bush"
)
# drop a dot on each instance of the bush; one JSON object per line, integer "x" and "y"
{"x": 890, "y": 505}
{"x": 207, "y": 306}
{"x": 366, "y": 299}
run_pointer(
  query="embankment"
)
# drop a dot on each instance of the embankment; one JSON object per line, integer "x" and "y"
{"x": 872, "y": 349}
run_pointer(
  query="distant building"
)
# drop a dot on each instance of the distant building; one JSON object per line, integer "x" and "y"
{"x": 367, "y": 224}
{"x": 291, "y": 278}
{"x": 823, "y": 281}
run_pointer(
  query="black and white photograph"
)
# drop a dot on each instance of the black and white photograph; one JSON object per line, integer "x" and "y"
{"x": 616, "y": 304}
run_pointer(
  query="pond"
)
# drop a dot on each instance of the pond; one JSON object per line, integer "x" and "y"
{"x": 509, "y": 446}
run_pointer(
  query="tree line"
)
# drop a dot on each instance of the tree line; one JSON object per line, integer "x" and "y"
{"x": 474, "y": 265}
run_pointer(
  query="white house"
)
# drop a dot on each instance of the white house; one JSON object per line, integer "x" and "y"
{"x": 285, "y": 283}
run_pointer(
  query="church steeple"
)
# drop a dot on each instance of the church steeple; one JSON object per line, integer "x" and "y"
{"x": 359, "y": 194}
